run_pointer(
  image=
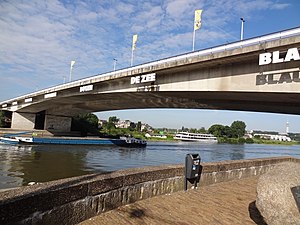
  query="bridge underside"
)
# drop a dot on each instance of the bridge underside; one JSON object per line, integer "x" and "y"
{"x": 58, "y": 117}
{"x": 242, "y": 101}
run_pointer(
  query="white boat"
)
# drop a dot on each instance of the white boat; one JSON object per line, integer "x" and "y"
{"x": 9, "y": 140}
{"x": 186, "y": 136}
{"x": 135, "y": 142}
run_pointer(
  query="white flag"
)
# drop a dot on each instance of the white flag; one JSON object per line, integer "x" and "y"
{"x": 72, "y": 64}
{"x": 197, "y": 22}
{"x": 134, "y": 40}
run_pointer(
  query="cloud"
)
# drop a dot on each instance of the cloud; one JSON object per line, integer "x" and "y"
{"x": 261, "y": 5}
{"x": 180, "y": 8}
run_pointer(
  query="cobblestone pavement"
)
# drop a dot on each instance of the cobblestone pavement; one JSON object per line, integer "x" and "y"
{"x": 223, "y": 203}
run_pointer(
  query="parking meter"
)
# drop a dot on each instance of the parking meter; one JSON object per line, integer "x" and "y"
{"x": 192, "y": 168}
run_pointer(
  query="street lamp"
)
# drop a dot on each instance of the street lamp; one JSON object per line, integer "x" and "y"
{"x": 242, "y": 28}
{"x": 115, "y": 63}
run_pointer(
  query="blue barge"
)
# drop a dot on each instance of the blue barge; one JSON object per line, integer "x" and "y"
{"x": 122, "y": 141}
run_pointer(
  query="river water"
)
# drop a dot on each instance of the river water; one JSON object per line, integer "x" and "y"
{"x": 21, "y": 164}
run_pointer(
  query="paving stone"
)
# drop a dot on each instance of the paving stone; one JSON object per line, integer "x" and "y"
{"x": 222, "y": 203}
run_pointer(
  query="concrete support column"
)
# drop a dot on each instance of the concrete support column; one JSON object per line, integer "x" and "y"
{"x": 25, "y": 121}
{"x": 58, "y": 123}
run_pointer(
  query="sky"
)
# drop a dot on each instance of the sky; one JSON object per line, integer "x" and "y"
{"x": 39, "y": 39}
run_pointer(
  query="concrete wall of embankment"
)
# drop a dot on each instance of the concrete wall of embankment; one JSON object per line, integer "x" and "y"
{"x": 70, "y": 201}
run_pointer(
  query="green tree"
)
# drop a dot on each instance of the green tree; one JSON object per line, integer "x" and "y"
{"x": 139, "y": 126}
{"x": 193, "y": 130}
{"x": 92, "y": 119}
{"x": 183, "y": 129}
{"x": 2, "y": 119}
{"x": 202, "y": 130}
{"x": 111, "y": 124}
{"x": 238, "y": 129}
{"x": 85, "y": 123}
{"x": 132, "y": 126}
{"x": 113, "y": 119}
{"x": 217, "y": 130}
{"x": 228, "y": 132}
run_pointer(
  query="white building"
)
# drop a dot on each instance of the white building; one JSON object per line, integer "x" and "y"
{"x": 162, "y": 136}
{"x": 275, "y": 137}
{"x": 146, "y": 127}
{"x": 123, "y": 124}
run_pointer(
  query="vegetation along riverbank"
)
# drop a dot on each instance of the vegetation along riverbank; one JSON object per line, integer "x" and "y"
{"x": 90, "y": 125}
{"x": 236, "y": 133}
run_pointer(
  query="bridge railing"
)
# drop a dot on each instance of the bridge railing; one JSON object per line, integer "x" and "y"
{"x": 207, "y": 51}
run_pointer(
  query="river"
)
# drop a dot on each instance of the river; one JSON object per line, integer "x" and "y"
{"x": 21, "y": 164}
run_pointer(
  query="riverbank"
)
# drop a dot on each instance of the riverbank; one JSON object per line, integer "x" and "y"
{"x": 44, "y": 133}
{"x": 233, "y": 141}
{"x": 271, "y": 142}
{"x": 255, "y": 141}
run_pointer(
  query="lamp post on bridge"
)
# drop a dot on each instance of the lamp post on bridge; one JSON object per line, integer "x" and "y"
{"x": 115, "y": 63}
{"x": 242, "y": 28}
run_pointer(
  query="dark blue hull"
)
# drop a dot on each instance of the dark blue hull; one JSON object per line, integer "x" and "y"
{"x": 74, "y": 141}
{"x": 78, "y": 141}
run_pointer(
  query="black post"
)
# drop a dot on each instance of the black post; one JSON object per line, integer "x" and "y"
{"x": 192, "y": 169}
{"x": 185, "y": 172}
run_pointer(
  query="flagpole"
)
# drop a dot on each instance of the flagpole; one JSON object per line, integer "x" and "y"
{"x": 115, "y": 63}
{"x": 194, "y": 35}
{"x": 131, "y": 63}
{"x": 134, "y": 40}
{"x": 71, "y": 67}
{"x": 242, "y": 28}
{"x": 70, "y": 77}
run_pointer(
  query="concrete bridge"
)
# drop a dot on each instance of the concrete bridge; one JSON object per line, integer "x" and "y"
{"x": 259, "y": 74}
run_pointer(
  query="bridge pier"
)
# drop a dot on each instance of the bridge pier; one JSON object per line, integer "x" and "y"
{"x": 24, "y": 121}
{"x": 41, "y": 121}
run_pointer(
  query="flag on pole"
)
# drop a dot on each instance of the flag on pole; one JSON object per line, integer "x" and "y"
{"x": 72, "y": 64}
{"x": 134, "y": 40}
{"x": 197, "y": 22}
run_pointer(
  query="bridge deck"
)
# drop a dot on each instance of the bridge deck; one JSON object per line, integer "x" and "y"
{"x": 223, "y": 203}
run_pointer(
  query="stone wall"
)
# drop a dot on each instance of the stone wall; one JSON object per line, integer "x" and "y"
{"x": 58, "y": 123}
{"x": 69, "y": 201}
